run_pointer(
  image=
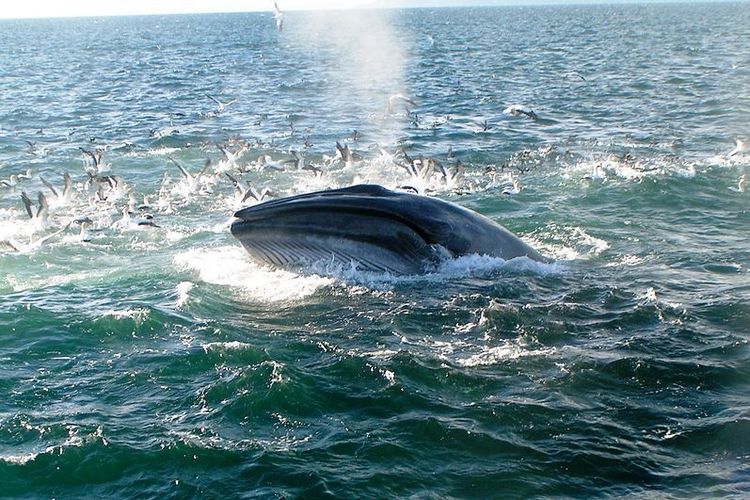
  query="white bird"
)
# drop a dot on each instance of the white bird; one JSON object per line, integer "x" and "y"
{"x": 300, "y": 164}
{"x": 68, "y": 183}
{"x": 97, "y": 157}
{"x": 278, "y": 16}
{"x": 396, "y": 99}
{"x": 597, "y": 173}
{"x": 451, "y": 178}
{"x": 345, "y": 154}
{"x": 191, "y": 181}
{"x": 13, "y": 180}
{"x": 244, "y": 194}
{"x": 265, "y": 161}
{"x": 518, "y": 110}
{"x": 10, "y": 181}
{"x": 16, "y": 246}
{"x": 514, "y": 189}
{"x": 128, "y": 222}
{"x": 42, "y": 212}
{"x": 85, "y": 222}
{"x": 740, "y": 185}
{"x": 740, "y": 147}
{"x": 231, "y": 158}
{"x": 221, "y": 106}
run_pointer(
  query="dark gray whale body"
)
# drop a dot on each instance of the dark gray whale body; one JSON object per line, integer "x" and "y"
{"x": 378, "y": 229}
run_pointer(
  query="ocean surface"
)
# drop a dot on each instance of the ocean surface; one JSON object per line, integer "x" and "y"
{"x": 150, "y": 357}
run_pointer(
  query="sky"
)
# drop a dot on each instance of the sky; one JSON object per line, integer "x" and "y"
{"x": 10, "y": 9}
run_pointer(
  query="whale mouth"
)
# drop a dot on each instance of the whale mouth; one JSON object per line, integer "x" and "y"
{"x": 359, "y": 225}
{"x": 371, "y": 227}
{"x": 297, "y": 240}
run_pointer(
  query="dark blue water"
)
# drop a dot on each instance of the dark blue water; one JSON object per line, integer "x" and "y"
{"x": 141, "y": 361}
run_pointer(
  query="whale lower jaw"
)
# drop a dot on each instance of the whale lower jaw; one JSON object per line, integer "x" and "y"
{"x": 309, "y": 251}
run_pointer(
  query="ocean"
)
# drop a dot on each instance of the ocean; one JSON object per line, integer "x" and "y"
{"x": 146, "y": 356}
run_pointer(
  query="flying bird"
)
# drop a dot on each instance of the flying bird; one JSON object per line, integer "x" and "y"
{"x": 740, "y": 147}
{"x": 220, "y": 106}
{"x": 278, "y": 16}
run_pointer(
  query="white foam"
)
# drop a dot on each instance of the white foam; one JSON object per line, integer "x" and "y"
{"x": 572, "y": 243}
{"x": 18, "y": 459}
{"x": 136, "y": 314}
{"x": 481, "y": 265}
{"x": 225, "y": 346}
{"x": 183, "y": 289}
{"x": 230, "y": 266}
{"x": 20, "y": 284}
{"x": 466, "y": 266}
{"x": 497, "y": 354}
{"x": 626, "y": 260}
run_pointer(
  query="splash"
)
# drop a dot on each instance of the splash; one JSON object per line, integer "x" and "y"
{"x": 183, "y": 290}
{"x": 509, "y": 350}
{"x": 230, "y": 266}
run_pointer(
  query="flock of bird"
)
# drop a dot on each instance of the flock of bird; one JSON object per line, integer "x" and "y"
{"x": 98, "y": 201}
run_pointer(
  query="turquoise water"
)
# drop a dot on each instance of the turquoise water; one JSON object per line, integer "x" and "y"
{"x": 160, "y": 361}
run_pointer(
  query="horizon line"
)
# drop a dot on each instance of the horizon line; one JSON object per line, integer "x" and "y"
{"x": 407, "y": 5}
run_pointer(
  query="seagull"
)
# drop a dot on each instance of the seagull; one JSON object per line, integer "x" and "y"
{"x": 146, "y": 220}
{"x": 278, "y": 16}
{"x": 257, "y": 196}
{"x": 14, "y": 178}
{"x": 426, "y": 167}
{"x": 250, "y": 192}
{"x": 85, "y": 222}
{"x": 35, "y": 150}
{"x": 451, "y": 177}
{"x": 345, "y": 154}
{"x": 265, "y": 161}
{"x": 102, "y": 182}
{"x": 515, "y": 189}
{"x": 10, "y": 181}
{"x": 97, "y": 157}
{"x": 126, "y": 222}
{"x": 145, "y": 205}
{"x": 740, "y": 185}
{"x": 43, "y": 210}
{"x": 395, "y": 100}
{"x": 597, "y": 173}
{"x": 66, "y": 187}
{"x": 220, "y": 106}
{"x": 740, "y": 147}
{"x": 191, "y": 180}
{"x": 231, "y": 158}
{"x": 18, "y": 247}
{"x": 577, "y": 75}
{"x": 299, "y": 163}
{"x": 517, "y": 110}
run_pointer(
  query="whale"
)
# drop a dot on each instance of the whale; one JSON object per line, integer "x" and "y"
{"x": 372, "y": 228}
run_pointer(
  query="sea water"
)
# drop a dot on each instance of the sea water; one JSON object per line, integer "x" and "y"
{"x": 143, "y": 361}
